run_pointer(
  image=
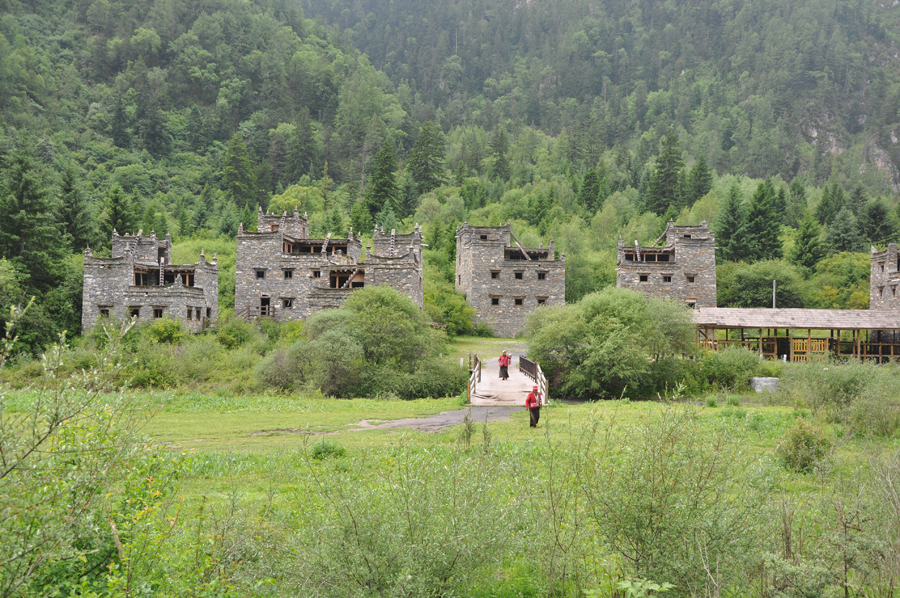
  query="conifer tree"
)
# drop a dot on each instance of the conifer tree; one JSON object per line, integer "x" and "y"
{"x": 386, "y": 219}
{"x": 700, "y": 180}
{"x": 499, "y": 150}
{"x": 203, "y": 211}
{"x": 119, "y": 214}
{"x": 360, "y": 219}
{"x": 831, "y": 203}
{"x": 409, "y": 197}
{"x": 779, "y": 205}
{"x": 228, "y": 222}
{"x": 663, "y": 188}
{"x": 249, "y": 218}
{"x": 589, "y": 191}
{"x": 303, "y": 149}
{"x": 797, "y": 208}
{"x": 807, "y": 249}
{"x": 762, "y": 228}
{"x": 877, "y": 224}
{"x": 858, "y": 200}
{"x": 382, "y": 189}
{"x": 29, "y": 234}
{"x": 74, "y": 212}
{"x": 426, "y": 162}
{"x": 238, "y": 174}
{"x": 843, "y": 234}
{"x": 730, "y": 228}
{"x": 184, "y": 221}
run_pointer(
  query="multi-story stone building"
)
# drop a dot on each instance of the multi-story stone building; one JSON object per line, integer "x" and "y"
{"x": 884, "y": 281}
{"x": 505, "y": 282}
{"x": 140, "y": 281}
{"x": 684, "y": 269}
{"x": 284, "y": 274}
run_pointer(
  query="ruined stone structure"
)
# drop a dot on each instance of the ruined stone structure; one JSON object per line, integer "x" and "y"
{"x": 284, "y": 274}
{"x": 685, "y": 269}
{"x": 884, "y": 282}
{"x": 504, "y": 282}
{"x": 140, "y": 281}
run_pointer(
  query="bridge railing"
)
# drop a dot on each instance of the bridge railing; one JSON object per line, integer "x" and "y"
{"x": 533, "y": 370}
{"x": 474, "y": 376}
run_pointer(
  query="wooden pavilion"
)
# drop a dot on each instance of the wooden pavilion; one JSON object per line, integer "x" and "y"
{"x": 802, "y": 334}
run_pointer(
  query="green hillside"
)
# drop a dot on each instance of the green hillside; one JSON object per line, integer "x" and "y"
{"x": 575, "y": 121}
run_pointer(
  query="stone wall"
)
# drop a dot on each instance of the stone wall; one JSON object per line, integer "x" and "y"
{"x": 111, "y": 289}
{"x": 501, "y": 288}
{"x": 294, "y": 225}
{"x": 685, "y": 269}
{"x": 885, "y": 279}
{"x": 263, "y": 264}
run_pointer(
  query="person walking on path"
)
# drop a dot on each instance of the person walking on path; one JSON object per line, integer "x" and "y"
{"x": 533, "y": 404}
{"x": 504, "y": 366}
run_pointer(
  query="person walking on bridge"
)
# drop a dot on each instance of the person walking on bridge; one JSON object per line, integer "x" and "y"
{"x": 533, "y": 404}
{"x": 504, "y": 366}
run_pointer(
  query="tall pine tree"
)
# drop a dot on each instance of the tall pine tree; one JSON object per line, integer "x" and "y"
{"x": 808, "y": 248}
{"x": 663, "y": 189}
{"x": 699, "y": 181}
{"x": 730, "y": 228}
{"x": 382, "y": 189}
{"x": 29, "y": 233}
{"x": 843, "y": 233}
{"x": 119, "y": 214}
{"x": 499, "y": 150}
{"x": 238, "y": 174}
{"x": 426, "y": 162}
{"x": 763, "y": 228}
{"x": 74, "y": 212}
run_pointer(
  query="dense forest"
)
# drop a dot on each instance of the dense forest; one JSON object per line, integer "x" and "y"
{"x": 579, "y": 121}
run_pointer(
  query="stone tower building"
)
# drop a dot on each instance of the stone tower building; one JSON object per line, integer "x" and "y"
{"x": 284, "y": 274}
{"x": 140, "y": 281}
{"x": 504, "y": 282}
{"x": 684, "y": 269}
{"x": 885, "y": 279}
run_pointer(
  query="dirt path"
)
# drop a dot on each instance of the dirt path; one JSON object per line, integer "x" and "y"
{"x": 439, "y": 421}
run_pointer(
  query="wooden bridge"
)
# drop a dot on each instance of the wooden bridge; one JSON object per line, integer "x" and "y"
{"x": 486, "y": 387}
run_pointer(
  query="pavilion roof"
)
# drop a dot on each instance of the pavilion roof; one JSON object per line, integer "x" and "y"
{"x": 815, "y": 319}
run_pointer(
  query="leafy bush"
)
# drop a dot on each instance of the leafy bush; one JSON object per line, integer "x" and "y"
{"x": 606, "y": 341}
{"x": 803, "y": 447}
{"x": 234, "y": 333}
{"x": 165, "y": 330}
{"x": 829, "y": 388}
{"x": 732, "y": 368}
{"x": 733, "y": 400}
{"x": 325, "y": 449}
{"x": 711, "y": 401}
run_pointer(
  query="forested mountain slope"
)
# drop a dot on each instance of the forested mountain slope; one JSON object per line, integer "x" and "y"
{"x": 764, "y": 87}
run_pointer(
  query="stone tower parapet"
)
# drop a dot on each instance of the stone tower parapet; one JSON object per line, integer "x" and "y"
{"x": 684, "y": 269}
{"x": 504, "y": 281}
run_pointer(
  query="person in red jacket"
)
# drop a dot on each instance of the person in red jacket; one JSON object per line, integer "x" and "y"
{"x": 533, "y": 404}
{"x": 504, "y": 366}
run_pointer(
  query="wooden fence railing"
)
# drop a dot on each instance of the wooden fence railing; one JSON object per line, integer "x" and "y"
{"x": 474, "y": 376}
{"x": 533, "y": 370}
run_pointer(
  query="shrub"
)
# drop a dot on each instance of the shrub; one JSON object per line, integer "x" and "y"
{"x": 711, "y": 401}
{"x": 731, "y": 368}
{"x": 234, "y": 333}
{"x": 325, "y": 449}
{"x": 165, "y": 330}
{"x": 829, "y": 388}
{"x": 803, "y": 447}
{"x": 733, "y": 400}
{"x": 283, "y": 369}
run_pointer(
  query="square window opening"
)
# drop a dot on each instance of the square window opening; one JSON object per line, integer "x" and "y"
{"x": 135, "y": 312}
{"x": 541, "y": 300}
{"x": 495, "y": 275}
{"x": 317, "y": 274}
{"x": 643, "y": 278}
{"x": 260, "y": 274}
{"x": 520, "y": 301}
{"x": 288, "y": 274}
{"x": 690, "y": 279}
{"x": 495, "y": 300}
{"x": 484, "y": 237}
{"x": 519, "y": 275}
{"x": 287, "y": 303}
{"x": 692, "y": 304}
{"x": 667, "y": 278}
{"x": 542, "y": 275}
{"x": 157, "y": 313}
{"x": 104, "y": 312}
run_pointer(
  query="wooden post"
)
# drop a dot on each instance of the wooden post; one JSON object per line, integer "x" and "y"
{"x": 760, "y": 341}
